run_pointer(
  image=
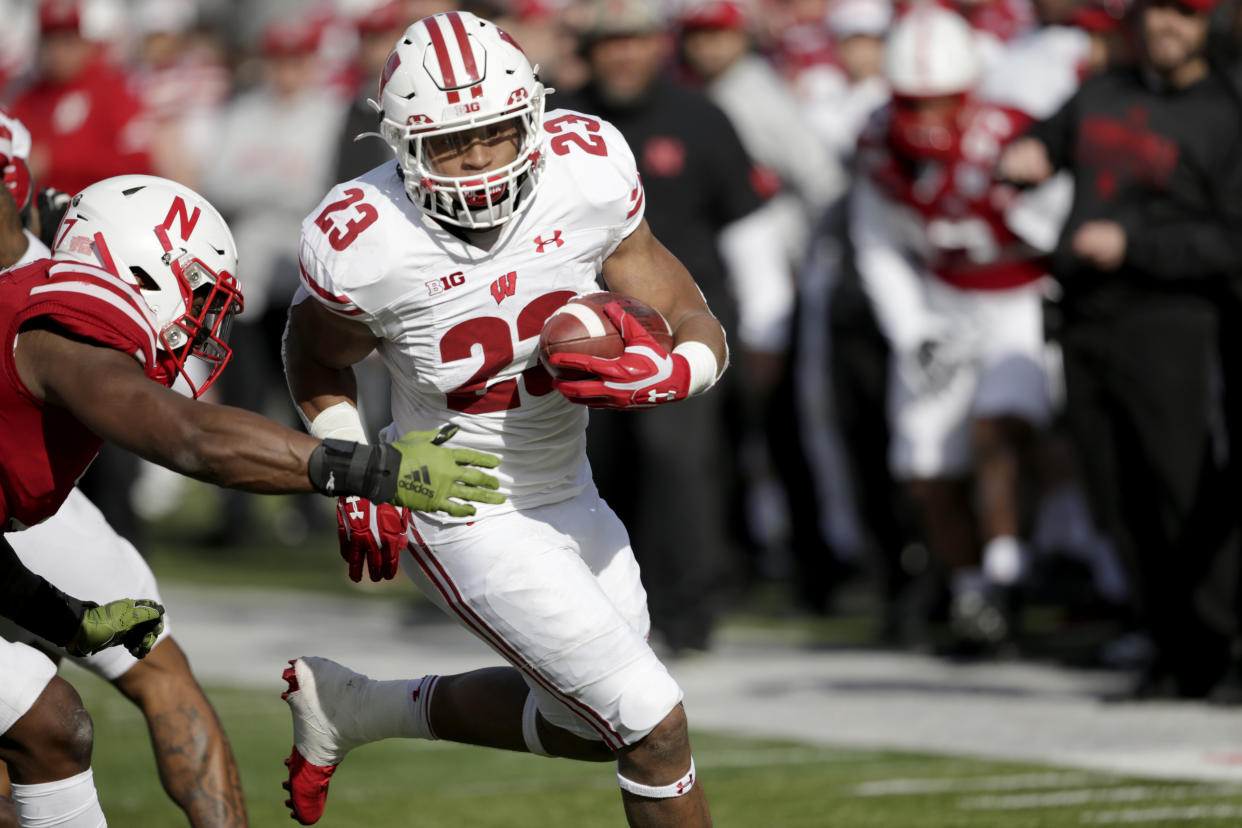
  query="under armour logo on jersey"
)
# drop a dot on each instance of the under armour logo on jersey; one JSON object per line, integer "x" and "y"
{"x": 541, "y": 242}
{"x": 355, "y": 512}
{"x": 504, "y": 286}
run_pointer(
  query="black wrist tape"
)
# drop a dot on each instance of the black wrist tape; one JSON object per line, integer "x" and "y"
{"x": 339, "y": 468}
{"x": 35, "y": 604}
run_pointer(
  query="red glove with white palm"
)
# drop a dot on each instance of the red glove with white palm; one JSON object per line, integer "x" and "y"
{"x": 370, "y": 533}
{"x": 645, "y": 375}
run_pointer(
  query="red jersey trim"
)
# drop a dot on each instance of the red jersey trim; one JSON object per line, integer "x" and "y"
{"x": 332, "y": 301}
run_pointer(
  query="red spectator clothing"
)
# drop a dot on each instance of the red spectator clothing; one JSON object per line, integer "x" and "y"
{"x": 88, "y": 129}
{"x": 953, "y": 213}
{"x": 1006, "y": 19}
{"x": 43, "y": 448}
{"x": 1003, "y": 19}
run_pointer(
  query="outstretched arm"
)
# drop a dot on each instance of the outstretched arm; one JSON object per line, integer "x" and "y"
{"x": 107, "y": 391}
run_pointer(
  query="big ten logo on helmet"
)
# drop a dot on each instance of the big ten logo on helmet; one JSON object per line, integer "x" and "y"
{"x": 438, "y": 286}
{"x": 462, "y": 110}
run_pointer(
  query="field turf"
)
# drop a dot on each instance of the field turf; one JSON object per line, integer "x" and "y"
{"x": 756, "y": 784}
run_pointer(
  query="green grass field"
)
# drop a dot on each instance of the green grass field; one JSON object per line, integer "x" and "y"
{"x": 757, "y": 784}
{"x": 751, "y": 783}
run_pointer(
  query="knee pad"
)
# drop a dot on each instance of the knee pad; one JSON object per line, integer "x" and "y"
{"x": 680, "y": 787}
{"x": 645, "y": 703}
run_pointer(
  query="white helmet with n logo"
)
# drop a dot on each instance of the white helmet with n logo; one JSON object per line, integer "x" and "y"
{"x": 453, "y": 72}
{"x": 168, "y": 242}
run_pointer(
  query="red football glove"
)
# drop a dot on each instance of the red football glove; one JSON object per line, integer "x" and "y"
{"x": 373, "y": 533}
{"x": 645, "y": 375}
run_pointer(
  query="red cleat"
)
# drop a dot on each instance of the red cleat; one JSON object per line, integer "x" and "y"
{"x": 308, "y": 788}
{"x": 321, "y": 695}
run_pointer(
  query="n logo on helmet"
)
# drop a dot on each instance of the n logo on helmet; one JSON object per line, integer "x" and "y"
{"x": 185, "y": 221}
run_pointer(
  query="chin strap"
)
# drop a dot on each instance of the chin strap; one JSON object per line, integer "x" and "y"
{"x": 679, "y": 788}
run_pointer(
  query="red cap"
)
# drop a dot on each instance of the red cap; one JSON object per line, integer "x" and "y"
{"x": 286, "y": 38}
{"x": 716, "y": 14}
{"x": 60, "y": 16}
{"x": 382, "y": 18}
{"x": 1200, "y": 6}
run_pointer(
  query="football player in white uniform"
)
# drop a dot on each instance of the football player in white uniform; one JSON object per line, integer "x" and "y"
{"x": 447, "y": 263}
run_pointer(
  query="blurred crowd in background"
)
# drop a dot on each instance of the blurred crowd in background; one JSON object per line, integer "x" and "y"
{"x": 950, "y": 420}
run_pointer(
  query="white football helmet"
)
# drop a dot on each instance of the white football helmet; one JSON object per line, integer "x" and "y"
{"x": 931, "y": 53}
{"x": 171, "y": 244}
{"x": 452, "y": 72}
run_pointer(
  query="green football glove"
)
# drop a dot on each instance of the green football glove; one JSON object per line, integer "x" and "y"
{"x": 432, "y": 474}
{"x": 132, "y": 623}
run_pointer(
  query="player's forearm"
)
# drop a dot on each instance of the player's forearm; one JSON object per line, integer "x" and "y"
{"x": 33, "y": 603}
{"x": 701, "y": 326}
{"x": 316, "y": 387}
{"x": 314, "y": 384}
{"x": 239, "y": 449}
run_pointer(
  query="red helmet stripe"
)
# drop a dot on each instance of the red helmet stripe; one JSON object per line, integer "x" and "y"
{"x": 442, "y": 53}
{"x": 463, "y": 43}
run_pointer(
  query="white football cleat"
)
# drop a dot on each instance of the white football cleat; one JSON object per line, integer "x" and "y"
{"x": 320, "y": 695}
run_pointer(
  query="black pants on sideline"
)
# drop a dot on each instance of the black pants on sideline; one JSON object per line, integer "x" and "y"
{"x": 1138, "y": 405}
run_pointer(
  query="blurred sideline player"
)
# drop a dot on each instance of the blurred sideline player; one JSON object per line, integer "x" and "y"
{"x": 448, "y": 262}
{"x": 957, "y": 293}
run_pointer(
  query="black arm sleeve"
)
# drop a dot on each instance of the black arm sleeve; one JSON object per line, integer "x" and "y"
{"x": 35, "y": 604}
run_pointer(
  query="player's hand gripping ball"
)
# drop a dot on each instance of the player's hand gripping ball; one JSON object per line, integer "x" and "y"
{"x": 581, "y": 326}
{"x": 615, "y": 353}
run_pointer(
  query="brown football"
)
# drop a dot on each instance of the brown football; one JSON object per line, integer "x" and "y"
{"x": 580, "y": 326}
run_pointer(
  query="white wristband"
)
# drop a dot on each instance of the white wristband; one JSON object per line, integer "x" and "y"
{"x": 338, "y": 422}
{"x": 703, "y": 366}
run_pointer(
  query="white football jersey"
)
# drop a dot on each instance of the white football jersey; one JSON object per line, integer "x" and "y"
{"x": 459, "y": 325}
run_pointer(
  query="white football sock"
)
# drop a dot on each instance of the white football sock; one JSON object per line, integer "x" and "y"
{"x": 393, "y": 709}
{"x": 70, "y": 802}
{"x": 1004, "y": 560}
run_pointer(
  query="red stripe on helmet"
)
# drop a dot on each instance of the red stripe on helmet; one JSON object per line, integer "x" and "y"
{"x": 463, "y": 43}
{"x": 442, "y": 53}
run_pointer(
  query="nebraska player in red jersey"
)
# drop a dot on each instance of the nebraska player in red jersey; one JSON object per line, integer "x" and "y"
{"x": 138, "y": 294}
{"x": 957, "y": 293}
